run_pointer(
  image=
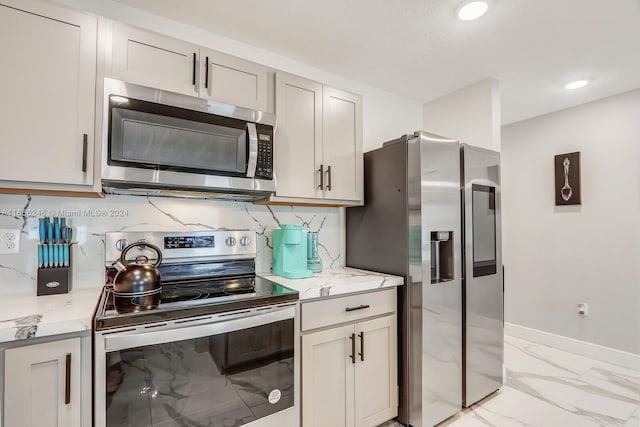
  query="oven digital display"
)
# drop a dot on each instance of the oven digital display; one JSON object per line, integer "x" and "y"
{"x": 188, "y": 242}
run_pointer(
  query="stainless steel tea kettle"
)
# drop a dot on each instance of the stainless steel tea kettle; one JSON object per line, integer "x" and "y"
{"x": 137, "y": 285}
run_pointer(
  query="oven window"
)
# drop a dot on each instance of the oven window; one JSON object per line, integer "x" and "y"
{"x": 149, "y": 135}
{"x": 229, "y": 379}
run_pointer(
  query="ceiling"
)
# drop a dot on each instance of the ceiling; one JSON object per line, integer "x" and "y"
{"x": 419, "y": 49}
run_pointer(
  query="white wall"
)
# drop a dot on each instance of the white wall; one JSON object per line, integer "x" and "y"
{"x": 555, "y": 257}
{"x": 385, "y": 115}
{"x": 470, "y": 115}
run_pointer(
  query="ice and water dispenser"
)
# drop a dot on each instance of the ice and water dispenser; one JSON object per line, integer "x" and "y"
{"x": 442, "y": 265}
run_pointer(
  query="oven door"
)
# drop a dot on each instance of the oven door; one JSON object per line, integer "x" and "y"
{"x": 228, "y": 369}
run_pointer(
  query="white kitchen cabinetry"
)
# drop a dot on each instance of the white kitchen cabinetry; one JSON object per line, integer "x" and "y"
{"x": 342, "y": 144}
{"x": 349, "y": 371}
{"x": 154, "y": 60}
{"x": 318, "y": 148}
{"x": 42, "y": 384}
{"x": 157, "y": 61}
{"x": 298, "y": 138}
{"x": 48, "y": 76}
{"x": 233, "y": 80}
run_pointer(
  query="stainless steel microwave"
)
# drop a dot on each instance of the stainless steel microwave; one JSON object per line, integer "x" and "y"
{"x": 163, "y": 143}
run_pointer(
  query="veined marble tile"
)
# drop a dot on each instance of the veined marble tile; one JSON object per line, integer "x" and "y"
{"x": 634, "y": 421}
{"x": 526, "y": 357}
{"x": 510, "y": 407}
{"x": 553, "y": 388}
{"x": 91, "y": 218}
{"x": 580, "y": 398}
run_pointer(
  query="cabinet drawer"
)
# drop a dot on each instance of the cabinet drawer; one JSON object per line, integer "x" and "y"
{"x": 318, "y": 314}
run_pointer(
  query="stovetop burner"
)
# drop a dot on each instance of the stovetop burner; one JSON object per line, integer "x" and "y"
{"x": 195, "y": 299}
{"x": 202, "y": 273}
{"x": 207, "y": 289}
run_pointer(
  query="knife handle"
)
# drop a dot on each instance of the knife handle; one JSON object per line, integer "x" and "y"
{"x": 56, "y": 229}
{"x": 45, "y": 256}
{"x": 65, "y": 257}
{"x": 56, "y": 258}
{"x": 40, "y": 257}
{"x": 42, "y": 225}
{"x": 49, "y": 232}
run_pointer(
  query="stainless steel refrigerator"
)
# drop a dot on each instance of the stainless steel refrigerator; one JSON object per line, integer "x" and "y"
{"x": 432, "y": 215}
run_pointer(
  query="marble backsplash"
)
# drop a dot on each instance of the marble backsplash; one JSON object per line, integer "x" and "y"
{"x": 91, "y": 218}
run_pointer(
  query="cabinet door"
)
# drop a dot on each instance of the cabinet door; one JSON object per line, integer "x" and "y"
{"x": 298, "y": 138}
{"x": 40, "y": 389}
{"x": 376, "y": 377}
{"x": 153, "y": 60}
{"x": 47, "y": 105}
{"x": 327, "y": 378}
{"x": 233, "y": 80}
{"x": 342, "y": 144}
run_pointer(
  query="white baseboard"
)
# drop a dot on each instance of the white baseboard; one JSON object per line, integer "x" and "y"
{"x": 572, "y": 345}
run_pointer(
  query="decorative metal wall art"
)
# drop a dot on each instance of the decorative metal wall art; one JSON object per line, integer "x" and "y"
{"x": 567, "y": 168}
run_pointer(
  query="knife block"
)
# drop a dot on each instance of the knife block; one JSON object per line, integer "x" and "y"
{"x": 57, "y": 280}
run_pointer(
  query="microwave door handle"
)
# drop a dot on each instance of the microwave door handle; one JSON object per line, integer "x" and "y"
{"x": 253, "y": 149}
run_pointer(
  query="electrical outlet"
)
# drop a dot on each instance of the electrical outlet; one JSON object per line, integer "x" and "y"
{"x": 583, "y": 309}
{"x": 9, "y": 241}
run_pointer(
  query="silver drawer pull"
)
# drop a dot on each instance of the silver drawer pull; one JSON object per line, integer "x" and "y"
{"x": 360, "y": 307}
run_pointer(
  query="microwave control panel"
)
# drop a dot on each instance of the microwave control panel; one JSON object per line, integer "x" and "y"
{"x": 264, "y": 166}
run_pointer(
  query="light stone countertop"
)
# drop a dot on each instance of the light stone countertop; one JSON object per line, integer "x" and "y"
{"x": 29, "y": 316}
{"x": 337, "y": 282}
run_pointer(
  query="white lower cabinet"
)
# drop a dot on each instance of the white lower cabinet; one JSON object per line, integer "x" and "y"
{"x": 349, "y": 372}
{"x": 42, "y": 385}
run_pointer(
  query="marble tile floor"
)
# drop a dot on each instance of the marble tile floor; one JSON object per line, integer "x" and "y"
{"x": 547, "y": 387}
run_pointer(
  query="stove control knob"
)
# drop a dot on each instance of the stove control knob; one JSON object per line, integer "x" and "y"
{"x": 245, "y": 241}
{"x": 121, "y": 244}
{"x": 231, "y": 241}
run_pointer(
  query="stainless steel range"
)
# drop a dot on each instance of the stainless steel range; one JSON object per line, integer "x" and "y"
{"x": 218, "y": 350}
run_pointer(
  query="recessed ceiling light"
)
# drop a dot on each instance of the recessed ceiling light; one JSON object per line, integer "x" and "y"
{"x": 469, "y": 11}
{"x": 576, "y": 85}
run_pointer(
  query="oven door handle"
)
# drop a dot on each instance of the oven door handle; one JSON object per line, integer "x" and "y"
{"x": 253, "y": 150}
{"x": 184, "y": 329}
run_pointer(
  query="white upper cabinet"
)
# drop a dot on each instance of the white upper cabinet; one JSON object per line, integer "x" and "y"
{"x": 342, "y": 144}
{"x": 298, "y": 138}
{"x": 153, "y": 60}
{"x": 162, "y": 62}
{"x": 233, "y": 80}
{"x": 318, "y": 143}
{"x": 47, "y": 105}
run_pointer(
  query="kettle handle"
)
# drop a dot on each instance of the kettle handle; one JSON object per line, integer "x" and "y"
{"x": 123, "y": 256}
